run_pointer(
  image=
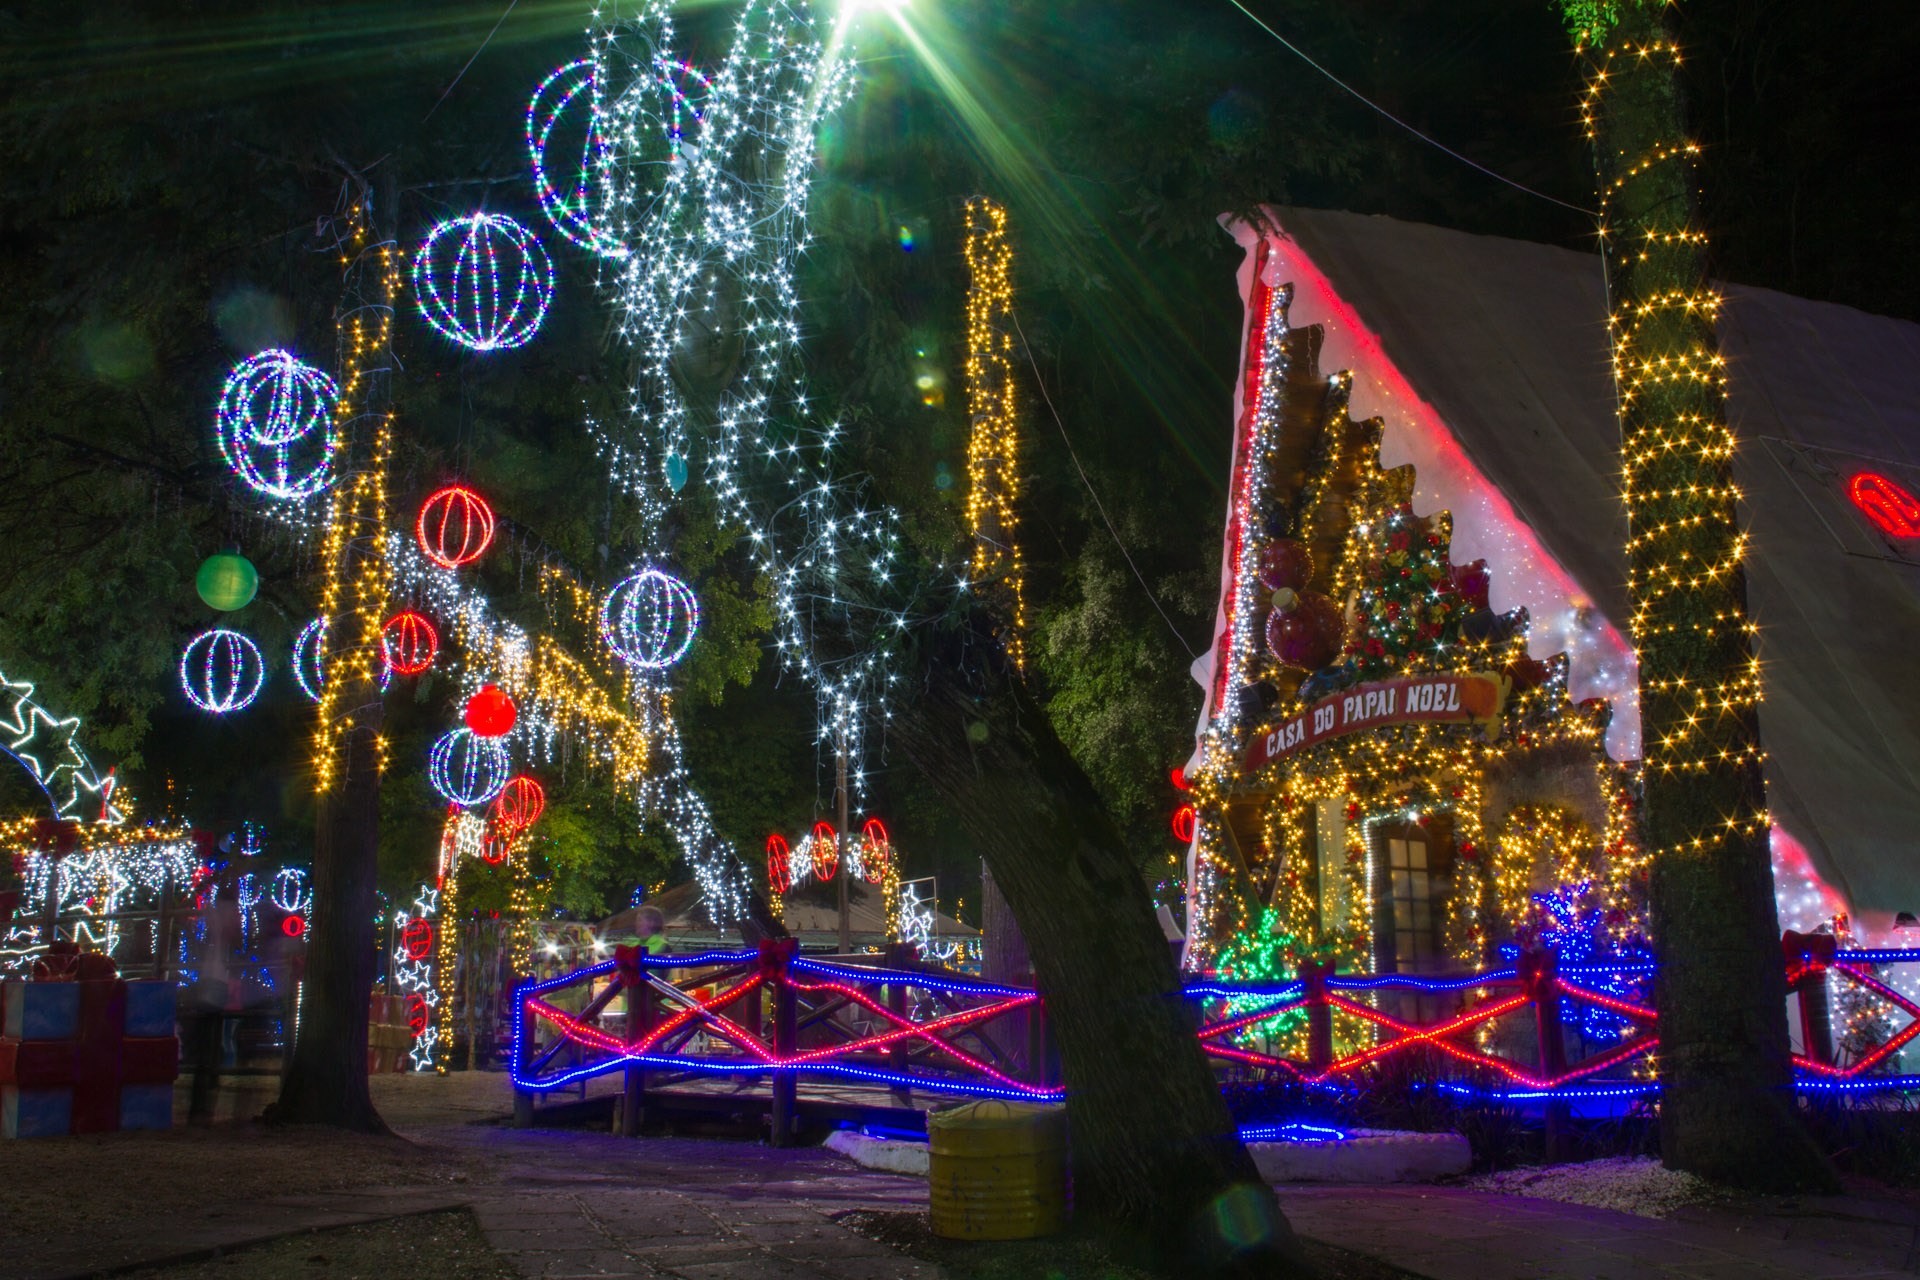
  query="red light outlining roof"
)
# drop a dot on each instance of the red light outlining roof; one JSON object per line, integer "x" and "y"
{"x": 1889, "y": 504}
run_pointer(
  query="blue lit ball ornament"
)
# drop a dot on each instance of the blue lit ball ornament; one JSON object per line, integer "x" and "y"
{"x": 467, "y": 769}
{"x": 484, "y": 281}
{"x": 226, "y": 581}
{"x": 275, "y": 425}
{"x": 221, "y": 671}
{"x": 650, "y": 619}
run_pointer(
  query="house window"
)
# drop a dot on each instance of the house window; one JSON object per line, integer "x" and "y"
{"x": 1410, "y": 901}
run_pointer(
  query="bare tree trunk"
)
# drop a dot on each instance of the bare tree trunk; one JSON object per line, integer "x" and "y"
{"x": 326, "y": 1081}
{"x": 1155, "y": 1151}
{"x": 1003, "y": 958}
{"x": 1728, "y": 1107}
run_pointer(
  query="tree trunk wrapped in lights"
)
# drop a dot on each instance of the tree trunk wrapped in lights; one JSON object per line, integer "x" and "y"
{"x": 1728, "y": 1101}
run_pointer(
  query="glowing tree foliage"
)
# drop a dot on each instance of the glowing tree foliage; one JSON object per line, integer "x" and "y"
{"x": 276, "y": 426}
{"x": 1407, "y": 605}
{"x": 1727, "y": 1109}
{"x": 484, "y": 281}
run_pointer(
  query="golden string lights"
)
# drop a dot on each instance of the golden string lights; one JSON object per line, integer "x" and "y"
{"x": 358, "y": 581}
{"x": 993, "y": 448}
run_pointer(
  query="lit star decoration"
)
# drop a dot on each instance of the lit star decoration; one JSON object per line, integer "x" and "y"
{"x": 993, "y": 448}
{"x": 276, "y": 426}
{"x": 455, "y": 527}
{"x": 483, "y": 281}
{"x": 466, "y": 769}
{"x": 222, "y": 671}
{"x": 48, "y": 747}
{"x": 650, "y": 619}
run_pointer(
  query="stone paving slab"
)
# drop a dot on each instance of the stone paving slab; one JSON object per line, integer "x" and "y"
{"x": 1452, "y": 1234}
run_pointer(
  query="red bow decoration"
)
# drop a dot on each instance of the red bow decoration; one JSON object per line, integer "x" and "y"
{"x": 626, "y": 960}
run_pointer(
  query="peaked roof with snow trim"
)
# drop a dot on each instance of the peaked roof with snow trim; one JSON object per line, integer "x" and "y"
{"x": 1504, "y": 342}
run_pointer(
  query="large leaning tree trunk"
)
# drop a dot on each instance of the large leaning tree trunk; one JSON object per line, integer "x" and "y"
{"x": 326, "y": 1082}
{"x": 1155, "y": 1152}
{"x": 1728, "y": 1109}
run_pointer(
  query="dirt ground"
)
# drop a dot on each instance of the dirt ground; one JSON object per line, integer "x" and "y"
{"x": 445, "y": 1246}
{"x": 128, "y": 1176}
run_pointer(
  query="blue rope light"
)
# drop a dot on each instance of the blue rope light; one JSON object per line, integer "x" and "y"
{"x": 1293, "y": 1132}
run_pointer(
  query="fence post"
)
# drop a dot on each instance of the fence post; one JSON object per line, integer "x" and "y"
{"x": 639, "y": 995}
{"x": 521, "y": 1053}
{"x": 774, "y": 959}
{"x": 1313, "y": 988}
{"x": 896, "y": 955}
{"x": 1538, "y": 978}
{"x": 1811, "y": 953}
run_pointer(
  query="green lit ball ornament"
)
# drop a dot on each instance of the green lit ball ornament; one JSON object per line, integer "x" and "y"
{"x": 227, "y": 581}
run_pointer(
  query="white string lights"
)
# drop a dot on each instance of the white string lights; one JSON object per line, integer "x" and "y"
{"x": 48, "y": 747}
{"x": 710, "y": 197}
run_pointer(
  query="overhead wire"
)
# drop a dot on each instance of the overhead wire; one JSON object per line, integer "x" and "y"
{"x": 1099, "y": 506}
{"x": 1435, "y": 143}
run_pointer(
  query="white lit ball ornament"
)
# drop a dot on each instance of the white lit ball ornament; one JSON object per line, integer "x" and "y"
{"x": 221, "y": 671}
{"x": 484, "y": 281}
{"x": 466, "y": 769}
{"x": 563, "y": 105}
{"x": 650, "y": 619}
{"x": 275, "y": 425}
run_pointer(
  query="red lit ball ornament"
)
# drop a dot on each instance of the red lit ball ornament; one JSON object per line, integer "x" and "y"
{"x": 455, "y": 527}
{"x": 410, "y": 643}
{"x": 875, "y": 848}
{"x": 1179, "y": 778}
{"x": 1304, "y": 629}
{"x": 293, "y": 926}
{"x": 779, "y": 864}
{"x": 417, "y": 939}
{"x": 490, "y": 713}
{"x": 520, "y": 803}
{"x": 1285, "y": 565}
{"x": 1186, "y": 820}
{"x": 1473, "y": 581}
{"x": 826, "y": 850}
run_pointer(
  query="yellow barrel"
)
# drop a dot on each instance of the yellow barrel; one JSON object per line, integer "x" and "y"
{"x": 997, "y": 1170}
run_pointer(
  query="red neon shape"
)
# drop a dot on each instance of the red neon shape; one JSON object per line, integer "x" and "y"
{"x": 455, "y": 527}
{"x": 417, "y": 939}
{"x": 1186, "y": 820}
{"x": 520, "y": 803}
{"x": 1889, "y": 504}
{"x": 490, "y": 713}
{"x": 875, "y": 849}
{"x": 1179, "y": 777}
{"x": 826, "y": 850}
{"x": 409, "y": 642}
{"x": 293, "y": 926}
{"x": 779, "y": 863}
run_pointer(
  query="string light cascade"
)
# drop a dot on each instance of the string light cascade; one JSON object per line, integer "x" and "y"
{"x": 483, "y": 281}
{"x": 221, "y": 671}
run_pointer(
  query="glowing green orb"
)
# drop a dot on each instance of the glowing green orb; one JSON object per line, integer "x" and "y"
{"x": 227, "y": 581}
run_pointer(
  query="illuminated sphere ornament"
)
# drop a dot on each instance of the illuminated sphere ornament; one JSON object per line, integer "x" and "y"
{"x": 484, "y": 281}
{"x": 221, "y": 671}
{"x": 490, "y": 713}
{"x": 779, "y": 864}
{"x": 520, "y": 804}
{"x": 467, "y": 770}
{"x": 275, "y": 425}
{"x": 309, "y": 658}
{"x": 568, "y": 155}
{"x": 455, "y": 527}
{"x": 875, "y": 849}
{"x": 409, "y": 643}
{"x": 826, "y": 850}
{"x": 1186, "y": 820}
{"x": 650, "y": 619}
{"x": 226, "y": 581}
{"x": 1304, "y": 630}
